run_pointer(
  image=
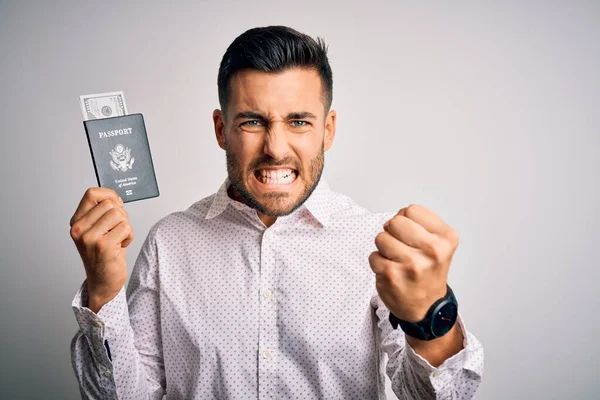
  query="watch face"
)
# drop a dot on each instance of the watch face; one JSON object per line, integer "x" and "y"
{"x": 444, "y": 319}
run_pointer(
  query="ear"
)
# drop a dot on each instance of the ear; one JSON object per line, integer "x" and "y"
{"x": 219, "y": 122}
{"x": 329, "y": 130}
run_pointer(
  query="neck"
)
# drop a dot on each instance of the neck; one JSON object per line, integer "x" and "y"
{"x": 266, "y": 219}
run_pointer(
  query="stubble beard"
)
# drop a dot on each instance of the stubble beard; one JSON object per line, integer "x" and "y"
{"x": 276, "y": 204}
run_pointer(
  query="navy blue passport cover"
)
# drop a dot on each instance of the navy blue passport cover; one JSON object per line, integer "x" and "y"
{"x": 121, "y": 156}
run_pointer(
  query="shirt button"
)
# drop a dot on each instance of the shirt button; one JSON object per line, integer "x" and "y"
{"x": 97, "y": 323}
{"x": 107, "y": 373}
{"x": 266, "y": 353}
{"x": 267, "y": 294}
{"x": 437, "y": 373}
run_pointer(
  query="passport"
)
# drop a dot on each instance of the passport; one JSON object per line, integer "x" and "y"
{"x": 121, "y": 156}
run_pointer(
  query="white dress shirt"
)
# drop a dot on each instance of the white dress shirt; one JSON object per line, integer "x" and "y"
{"x": 219, "y": 306}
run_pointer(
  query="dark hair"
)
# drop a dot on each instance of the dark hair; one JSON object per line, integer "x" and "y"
{"x": 274, "y": 49}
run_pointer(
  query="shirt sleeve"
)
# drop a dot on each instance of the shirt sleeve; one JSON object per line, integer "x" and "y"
{"x": 413, "y": 377}
{"x": 117, "y": 352}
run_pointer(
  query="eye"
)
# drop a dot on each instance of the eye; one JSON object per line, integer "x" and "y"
{"x": 300, "y": 123}
{"x": 253, "y": 122}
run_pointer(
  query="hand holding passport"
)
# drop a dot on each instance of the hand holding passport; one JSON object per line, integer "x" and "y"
{"x": 101, "y": 231}
{"x": 100, "y": 227}
{"x": 119, "y": 146}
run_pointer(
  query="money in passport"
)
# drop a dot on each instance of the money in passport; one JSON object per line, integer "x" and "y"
{"x": 120, "y": 150}
{"x": 102, "y": 105}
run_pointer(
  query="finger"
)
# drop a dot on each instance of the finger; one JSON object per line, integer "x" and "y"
{"x": 409, "y": 232}
{"x": 122, "y": 233}
{"x": 108, "y": 221}
{"x": 379, "y": 264}
{"x": 92, "y": 216}
{"x": 393, "y": 249}
{"x": 425, "y": 217}
{"x": 91, "y": 197}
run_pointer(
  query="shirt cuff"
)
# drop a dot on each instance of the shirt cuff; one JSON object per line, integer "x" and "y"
{"x": 109, "y": 322}
{"x": 443, "y": 374}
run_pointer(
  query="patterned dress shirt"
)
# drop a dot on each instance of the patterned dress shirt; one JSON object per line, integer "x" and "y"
{"x": 219, "y": 306}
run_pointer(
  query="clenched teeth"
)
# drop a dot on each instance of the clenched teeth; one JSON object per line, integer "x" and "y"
{"x": 280, "y": 176}
{"x": 275, "y": 174}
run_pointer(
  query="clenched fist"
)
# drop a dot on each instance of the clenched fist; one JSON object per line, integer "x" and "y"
{"x": 101, "y": 231}
{"x": 412, "y": 262}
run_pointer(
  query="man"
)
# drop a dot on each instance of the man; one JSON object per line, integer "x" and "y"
{"x": 275, "y": 286}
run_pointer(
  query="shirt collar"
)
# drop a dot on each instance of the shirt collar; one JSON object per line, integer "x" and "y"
{"x": 320, "y": 203}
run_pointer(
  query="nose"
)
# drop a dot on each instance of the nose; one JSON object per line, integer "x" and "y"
{"x": 276, "y": 141}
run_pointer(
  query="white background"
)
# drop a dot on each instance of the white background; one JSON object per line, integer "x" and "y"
{"x": 486, "y": 113}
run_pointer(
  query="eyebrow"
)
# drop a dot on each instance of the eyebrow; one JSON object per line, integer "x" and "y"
{"x": 255, "y": 115}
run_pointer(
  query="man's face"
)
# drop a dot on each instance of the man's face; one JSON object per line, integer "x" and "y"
{"x": 274, "y": 136}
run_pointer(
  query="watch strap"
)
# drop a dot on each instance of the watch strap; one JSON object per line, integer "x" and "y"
{"x": 415, "y": 330}
{"x": 421, "y": 329}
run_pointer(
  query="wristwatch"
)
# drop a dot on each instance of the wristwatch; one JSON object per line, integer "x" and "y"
{"x": 440, "y": 318}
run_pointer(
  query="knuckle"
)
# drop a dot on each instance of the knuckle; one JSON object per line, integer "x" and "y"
{"x": 75, "y": 231}
{"x": 388, "y": 271}
{"x": 108, "y": 203}
{"x": 410, "y": 268}
{"x": 379, "y": 239}
{"x": 114, "y": 193}
{"x": 414, "y": 210}
{"x": 111, "y": 204}
{"x": 116, "y": 196}
{"x": 409, "y": 264}
{"x": 87, "y": 239}
{"x": 101, "y": 245}
{"x": 372, "y": 257}
{"x": 452, "y": 235}
{"x": 115, "y": 213}
{"x": 126, "y": 229}
{"x": 378, "y": 264}
{"x": 433, "y": 250}
{"x": 90, "y": 193}
{"x": 437, "y": 256}
{"x": 412, "y": 274}
{"x": 392, "y": 221}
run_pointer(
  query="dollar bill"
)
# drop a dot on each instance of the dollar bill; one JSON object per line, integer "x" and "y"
{"x": 103, "y": 105}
